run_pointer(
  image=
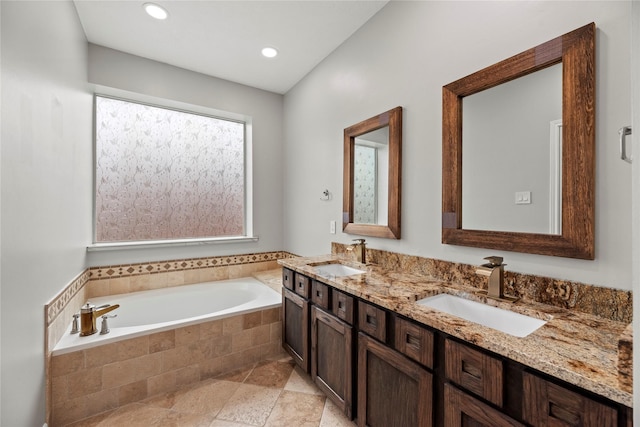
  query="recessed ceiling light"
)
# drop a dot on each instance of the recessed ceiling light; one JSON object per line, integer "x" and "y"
{"x": 155, "y": 11}
{"x": 269, "y": 52}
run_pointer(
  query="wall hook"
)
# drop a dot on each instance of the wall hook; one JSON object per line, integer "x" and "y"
{"x": 326, "y": 195}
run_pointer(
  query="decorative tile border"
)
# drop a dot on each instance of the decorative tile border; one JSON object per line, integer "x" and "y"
{"x": 608, "y": 303}
{"x": 127, "y": 270}
{"x": 60, "y": 301}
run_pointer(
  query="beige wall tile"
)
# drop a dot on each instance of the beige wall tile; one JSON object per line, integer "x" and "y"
{"x": 104, "y": 400}
{"x": 132, "y": 392}
{"x": 251, "y": 320}
{"x": 260, "y": 335}
{"x": 59, "y": 389}
{"x": 132, "y": 348}
{"x": 187, "y": 335}
{"x": 84, "y": 382}
{"x": 242, "y": 270}
{"x": 175, "y": 278}
{"x": 157, "y": 281}
{"x": 232, "y": 325}
{"x": 141, "y": 282}
{"x": 211, "y": 329}
{"x": 221, "y": 346}
{"x": 68, "y": 363}
{"x": 276, "y": 331}
{"x": 162, "y": 383}
{"x": 176, "y": 358}
{"x": 188, "y": 375}
{"x": 69, "y": 411}
{"x": 119, "y": 285}
{"x": 241, "y": 341}
{"x": 210, "y": 274}
{"x": 97, "y": 288}
{"x": 131, "y": 370}
{"x": 192, "y": 276}
{"x": 271, "y": 315}
{"x": 99, "y": 356}
{"x": 162, "y": 341}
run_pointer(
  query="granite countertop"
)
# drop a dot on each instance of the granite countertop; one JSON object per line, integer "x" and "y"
{"x": 578, "y": 348}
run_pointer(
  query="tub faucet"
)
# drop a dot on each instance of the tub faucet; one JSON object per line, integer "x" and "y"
{"x": 88, "y": 315}
{"x": 494, "y": 269}
{"x": 359, "y": 249}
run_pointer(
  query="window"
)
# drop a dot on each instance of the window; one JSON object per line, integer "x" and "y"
{"x": 163, "y": 174}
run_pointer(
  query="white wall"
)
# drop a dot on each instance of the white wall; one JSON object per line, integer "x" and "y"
{"x": 403, "y": 56}
{"x": 46, "y": 186}
{"x": 116, "y": 72}
{"x": 635, "y": 106}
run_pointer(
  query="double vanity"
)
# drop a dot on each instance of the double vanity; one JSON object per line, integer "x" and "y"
{"x": 397, "y": 349}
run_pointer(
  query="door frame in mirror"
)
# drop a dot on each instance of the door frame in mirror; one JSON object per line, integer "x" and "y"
{"x": 392, "y": 119}
{"x": 576, "y": 51}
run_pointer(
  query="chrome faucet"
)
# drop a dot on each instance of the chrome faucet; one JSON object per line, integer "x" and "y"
{"x": 494, "y": 269}
{"x": 359, "y": 249}
{"x": 88, "y": 315}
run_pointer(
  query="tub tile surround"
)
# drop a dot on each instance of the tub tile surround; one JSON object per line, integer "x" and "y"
{"x": 99, "y": 281}
{"x": 574, "y": 346}
{"x": 87, "y": 382}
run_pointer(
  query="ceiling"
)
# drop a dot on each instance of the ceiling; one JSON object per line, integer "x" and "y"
{"x": 224, "y": 38}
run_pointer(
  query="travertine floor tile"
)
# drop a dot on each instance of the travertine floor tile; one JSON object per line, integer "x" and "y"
{"x": 296, "y": 409}
{"x": 332, "y": 416}
{"x": 270, "y": 374}
{"x": 223, "y": 423}
{"x": 301, "y": 382}
{"x": 250, "y": 404}
{"x": 237, "y": 376}
{"x": 207, "y": 399}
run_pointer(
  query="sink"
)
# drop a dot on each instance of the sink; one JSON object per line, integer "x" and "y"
{"x": 506, "y": 321}
{"x": 336, "y": 270}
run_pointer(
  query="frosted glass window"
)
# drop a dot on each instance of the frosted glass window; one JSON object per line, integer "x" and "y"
{"x": 163, "y": 174}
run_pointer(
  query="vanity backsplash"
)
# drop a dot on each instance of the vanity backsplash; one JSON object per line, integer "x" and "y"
{"x": 608, "y": 303}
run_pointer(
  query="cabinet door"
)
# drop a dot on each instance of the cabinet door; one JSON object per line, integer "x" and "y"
{"x": 295, "y": 328}
{"x": 331, "y": 358}
{"x": 548, "y": 404}
{"x": 392, "y": 390}
{"x": 462, "y": 410}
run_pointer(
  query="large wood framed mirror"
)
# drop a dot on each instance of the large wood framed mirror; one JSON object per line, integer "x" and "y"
{"x": 372, "y": 176}
{"x": 491, "y": 185}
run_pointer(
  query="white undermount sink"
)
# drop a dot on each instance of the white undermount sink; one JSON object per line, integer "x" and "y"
{"x": 336, "y": 270}
{"x": 506, "y": 321}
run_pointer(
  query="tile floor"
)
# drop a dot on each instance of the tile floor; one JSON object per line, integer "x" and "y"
{"x": 270, "y": 393}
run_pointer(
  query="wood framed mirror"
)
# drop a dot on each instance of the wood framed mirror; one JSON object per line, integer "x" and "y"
{"x": 575, "y": 51}
{"x": 372, "y": 166}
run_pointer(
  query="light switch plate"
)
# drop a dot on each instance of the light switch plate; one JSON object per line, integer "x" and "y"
{"x": 523, "y": 197}
{"x": 332, "y": 227}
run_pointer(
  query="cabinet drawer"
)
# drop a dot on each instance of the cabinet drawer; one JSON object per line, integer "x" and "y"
{"x": 342, "y": 306}
{"x": 460, "y": 409}
{"x": 288, "y": 278}
{"x": 475, "y": 371}
{"x": 414, "y": 341}
{"x": 302, "y": 285}
{"x": 320, "y": 294}
{"x": 372, "y": 321}
{"x": 545, "y": 403}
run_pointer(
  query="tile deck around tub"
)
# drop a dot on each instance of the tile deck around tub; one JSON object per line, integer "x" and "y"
{"x": 268, "y": 393}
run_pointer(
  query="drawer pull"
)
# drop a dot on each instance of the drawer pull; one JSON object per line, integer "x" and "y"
{"x": 371, "y": 320}
{"x": 340, "y": 305}
{"x": 472, "y": 370}
{"x": 319, "y": 293}
{"x": 414, "y": 341}
{"x": 563, "y": 414}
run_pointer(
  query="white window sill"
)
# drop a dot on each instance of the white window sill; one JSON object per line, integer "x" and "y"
{"x": 96, "y": 247}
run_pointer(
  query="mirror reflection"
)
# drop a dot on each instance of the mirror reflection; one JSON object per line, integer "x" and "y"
{"x": 370, "y": 172}
{"x": 372, "y": 176}
{"x": 511, "y": 155}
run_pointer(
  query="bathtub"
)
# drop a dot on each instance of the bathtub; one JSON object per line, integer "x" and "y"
{"x": 146, "y": 312}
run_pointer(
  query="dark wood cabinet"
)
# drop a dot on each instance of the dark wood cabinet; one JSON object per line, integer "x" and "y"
{"x": 387, "y": 370}
{"x": 549, "y": 404}
{"x": 462, "y": 410}
{"x": 332, "y": 358}
{"x": 392, "y": 390}
{"x": 295, "y": 327}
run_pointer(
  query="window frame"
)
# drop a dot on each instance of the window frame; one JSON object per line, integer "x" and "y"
{"x": 181, "y": 107}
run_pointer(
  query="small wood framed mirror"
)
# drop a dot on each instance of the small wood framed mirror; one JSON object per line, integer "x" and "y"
{"x": 372, "y": 176}
{"x": 486, "y": 168}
